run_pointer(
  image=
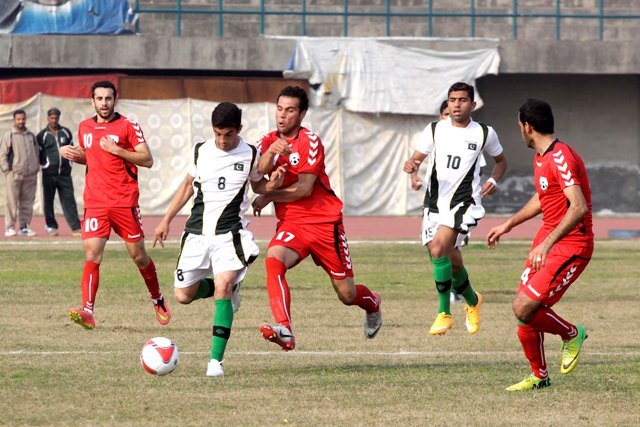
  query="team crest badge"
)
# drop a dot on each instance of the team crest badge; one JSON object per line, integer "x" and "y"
{"x": 544, "y": 184}
{"x": 238, "y": 166}
{"x": 294, "y": 159}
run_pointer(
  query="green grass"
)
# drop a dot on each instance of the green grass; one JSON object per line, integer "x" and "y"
{"x": 53, "y": 372}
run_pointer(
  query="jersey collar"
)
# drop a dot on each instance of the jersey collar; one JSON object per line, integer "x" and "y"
{"x": 116, "y": 116}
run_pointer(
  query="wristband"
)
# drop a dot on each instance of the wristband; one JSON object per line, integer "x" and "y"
{"x": 492, "y": 181}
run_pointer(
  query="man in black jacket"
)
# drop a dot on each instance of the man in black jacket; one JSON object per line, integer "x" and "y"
{"x": 56, "y": 174}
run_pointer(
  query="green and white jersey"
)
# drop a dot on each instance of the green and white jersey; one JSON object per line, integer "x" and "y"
{"x": 453, "y": 169}
{"x": 221, "y": 186}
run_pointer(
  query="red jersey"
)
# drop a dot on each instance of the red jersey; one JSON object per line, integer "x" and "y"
{"x": 307, "y": 156}
{"x": 110, "y": 180}
{"x": 560, "y": 167}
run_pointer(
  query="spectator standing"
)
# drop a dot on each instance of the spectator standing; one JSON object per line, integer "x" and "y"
{"x": 19, "y": 163}
{"x": 56, "y": 174}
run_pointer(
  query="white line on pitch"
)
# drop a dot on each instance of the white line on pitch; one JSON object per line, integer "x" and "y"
{"x": 318, "y": 353}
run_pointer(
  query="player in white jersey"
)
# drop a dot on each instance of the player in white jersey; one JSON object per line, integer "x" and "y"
{"x": 452, "y": 204}
{"x": 215, "y": 239}
{"x": 416, "y": 184}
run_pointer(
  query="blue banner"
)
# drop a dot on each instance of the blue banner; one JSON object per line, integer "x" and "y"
{"x": 72, "y": 17}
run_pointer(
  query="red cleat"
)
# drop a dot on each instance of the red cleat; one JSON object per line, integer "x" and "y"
{"x": 163, "y": 314}
{"x": 82, "y": 318}
{"x": 278, "y": 334}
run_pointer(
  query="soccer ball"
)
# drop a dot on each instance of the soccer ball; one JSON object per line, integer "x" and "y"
{"x": 159, "y": 356}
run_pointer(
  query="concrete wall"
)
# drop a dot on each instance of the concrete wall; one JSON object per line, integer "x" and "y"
{"x": 272, "y": 54}
{"x": 287, "y": 22}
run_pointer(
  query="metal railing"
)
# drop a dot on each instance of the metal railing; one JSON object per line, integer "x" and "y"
{"x": 514, "y": 15}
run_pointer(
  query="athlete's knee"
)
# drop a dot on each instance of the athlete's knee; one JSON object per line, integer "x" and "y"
{"x": 141, "y": 259}
{"x": 93, "y": 256}
{"x": 438, "y": 250}
{"x": 182, "y": 297}
{"x": 523, "y": 312}
{"x": 345, "y": 290}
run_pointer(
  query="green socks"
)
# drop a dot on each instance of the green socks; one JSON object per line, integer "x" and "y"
{"x": 205, "y": 289}
{"x": 461, "y": 285}
{"x": 222, "y": 320}
{"x": 442, "y": 276}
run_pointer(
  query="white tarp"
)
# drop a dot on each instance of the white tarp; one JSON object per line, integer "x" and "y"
{"x": 364, "y": 152}
{"x": 371, "y": 76}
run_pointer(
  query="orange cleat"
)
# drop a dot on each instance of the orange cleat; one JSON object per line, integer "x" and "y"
{"x": 163, "y": 314}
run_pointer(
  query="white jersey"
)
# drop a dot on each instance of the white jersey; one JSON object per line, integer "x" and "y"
{"x": 221, "y": 186}
{"x": 453, "y": 170}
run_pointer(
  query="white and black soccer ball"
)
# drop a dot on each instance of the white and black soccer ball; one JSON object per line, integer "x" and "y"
{"x": 159, "y": 356}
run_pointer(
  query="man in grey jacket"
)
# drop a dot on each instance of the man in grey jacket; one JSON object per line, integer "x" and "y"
{"x": 19, "y": 161}
{"x": 56, "y": 174}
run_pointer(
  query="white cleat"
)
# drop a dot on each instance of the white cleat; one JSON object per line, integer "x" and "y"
{"x": 373, "y": 320}
{"x": 214, "y": 369}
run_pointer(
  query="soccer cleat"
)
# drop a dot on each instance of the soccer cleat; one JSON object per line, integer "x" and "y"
{"x": 163, "y": 314}
{"x": 571, "y": 350}
{"x": 27, "y": 232}
{"x": 473, "y": 315}
{"x": 214, "y": 369}
{"x": 10, "y": 232}
{"x": 235, "y": 297}
{"x": 373, "y": 320}
{"x": 442, "y": 324}
{"x": 77, "y": 232}
{"x": 82, "y": 317}
{"x": 51, "y": 231}
{"x": 456, "y": 298}
{"x": 278, "y": 334}
{"x": 530, "y": 382}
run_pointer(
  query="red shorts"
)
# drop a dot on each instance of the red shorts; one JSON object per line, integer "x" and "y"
{"x": 327, "y": 244}
{"x": 563, "y": 265}
{"x": 126, "y": 222}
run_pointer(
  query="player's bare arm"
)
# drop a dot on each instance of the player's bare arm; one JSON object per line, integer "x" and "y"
{"x": 140, "y": 157}
{"x": 531, "y": 209}
{"x": 74, "y": 153}
{"x": 413, "y": 164}
{"x": 298, "y": 190}
{"x": 576, "y": 210}
{"x": 489, "y": 187}
{"x": 279, "y": 147}
{"x": 274, "y": 182}
{"x": 182, "y": 196}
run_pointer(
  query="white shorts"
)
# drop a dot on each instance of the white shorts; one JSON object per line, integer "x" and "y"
{"x": 462, "y": 222}
{"x": 204, "y": 256}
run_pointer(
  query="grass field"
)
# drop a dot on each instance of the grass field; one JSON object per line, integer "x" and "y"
{"x": 53, "y": 372}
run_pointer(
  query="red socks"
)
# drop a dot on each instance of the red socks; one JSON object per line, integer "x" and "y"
{"x": 547, "y": 320}
{"x": 532, "y": 342}
{"x": 365, "y": 299}
{"x": 151, "y": 279}
{"x": 89, "y": 284}
{"x": 531, "y": 337}
{"x": 278, "y": 290}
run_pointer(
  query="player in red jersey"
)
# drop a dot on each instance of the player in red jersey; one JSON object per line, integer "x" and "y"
{"x": 561, "y": 249}
{"x": 310, "y": 220}
{"x": 112, "y": 147}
